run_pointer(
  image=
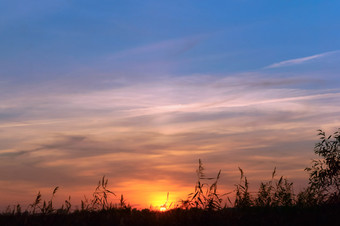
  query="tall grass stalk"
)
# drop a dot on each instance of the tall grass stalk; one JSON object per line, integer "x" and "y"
{"x": 242, "y": 195}
{"x": 205, "y": 196}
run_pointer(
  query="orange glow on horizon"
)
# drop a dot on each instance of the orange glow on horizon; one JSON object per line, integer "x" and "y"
{"x": 146, "y": 194}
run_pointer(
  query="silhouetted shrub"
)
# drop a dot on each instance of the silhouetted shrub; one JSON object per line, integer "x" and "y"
{"x": 324, "y": 180}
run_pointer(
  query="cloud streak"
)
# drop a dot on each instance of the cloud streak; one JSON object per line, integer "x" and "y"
{"x": 165, "y": 48}
{"x": 301, "y": 60}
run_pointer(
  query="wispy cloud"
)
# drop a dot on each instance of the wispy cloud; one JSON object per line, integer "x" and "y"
{"x": 157, "y": 129}
{"x": 300, "y": 60}
{"x": 164, "y": 48}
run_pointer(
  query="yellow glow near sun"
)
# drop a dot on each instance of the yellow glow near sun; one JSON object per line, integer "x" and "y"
{"x": 159, "y": 201}
{"x": 153, "y": 195}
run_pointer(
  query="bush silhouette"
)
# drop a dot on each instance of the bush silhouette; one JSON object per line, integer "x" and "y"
{"x": 324, "y": 180}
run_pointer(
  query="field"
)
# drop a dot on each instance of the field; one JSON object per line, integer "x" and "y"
{"x": 325, "y": 215}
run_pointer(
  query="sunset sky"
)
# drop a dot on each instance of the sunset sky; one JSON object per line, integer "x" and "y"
{"x": 138, "y": 91}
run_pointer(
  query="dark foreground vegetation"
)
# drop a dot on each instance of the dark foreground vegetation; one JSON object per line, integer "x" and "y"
{"x": 275, "y": 203}
{"x": 318, "y": 215}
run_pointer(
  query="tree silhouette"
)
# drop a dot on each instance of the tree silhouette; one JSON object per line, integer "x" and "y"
{"x": 324, "y": 177}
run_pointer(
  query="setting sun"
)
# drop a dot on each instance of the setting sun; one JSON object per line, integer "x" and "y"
{"x": 163, "y": 202}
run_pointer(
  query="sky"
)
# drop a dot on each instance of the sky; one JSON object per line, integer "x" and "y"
{"x": 138, "y": 91}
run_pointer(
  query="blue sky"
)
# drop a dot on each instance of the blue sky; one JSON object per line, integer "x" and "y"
{"x": 52, "y": 38}
{"x": 139, "y": 90}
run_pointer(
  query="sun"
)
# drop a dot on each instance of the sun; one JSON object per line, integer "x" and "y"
{"x": 162, "y": 209}
{"x": 161, "y": 204}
